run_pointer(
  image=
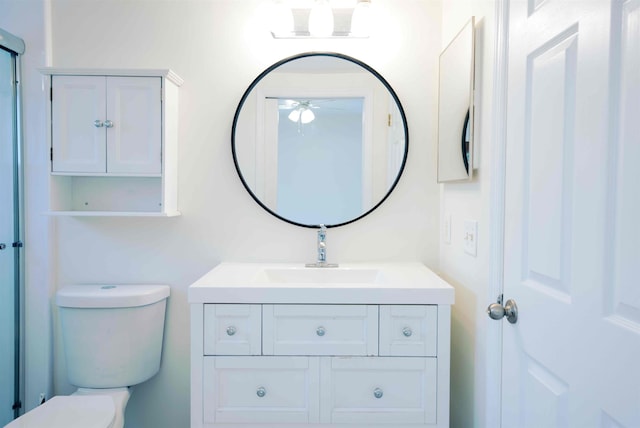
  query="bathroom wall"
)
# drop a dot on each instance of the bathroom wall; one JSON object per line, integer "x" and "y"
{"x": 471, "y": 201}
{"x": 218, "y": 47}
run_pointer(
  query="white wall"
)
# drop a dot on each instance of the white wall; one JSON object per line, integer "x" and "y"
{"x": 29, "y": 21}
{"x": 218, "y": 47}
{"x": 470, "y": 201}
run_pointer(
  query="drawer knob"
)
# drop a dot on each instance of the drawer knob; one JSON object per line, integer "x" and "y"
{"x": 108, "y": 124}
{"x": 378, "y": 393}
{"x": 320, "y": 331}
{"x": 407, "y": 332}
{"x": 261, "y": 392}
{"x": 98, "y": 123}
{"x": 231, "y": 330}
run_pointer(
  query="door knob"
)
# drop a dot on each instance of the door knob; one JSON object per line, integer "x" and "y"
{"x": 510, "y": 310}
{"x": 3, "y": 246}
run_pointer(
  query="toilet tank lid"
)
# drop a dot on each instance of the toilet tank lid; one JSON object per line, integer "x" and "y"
{"x": 110, "y": 296}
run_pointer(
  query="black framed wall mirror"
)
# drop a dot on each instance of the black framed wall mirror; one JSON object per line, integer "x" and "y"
{"x": 319, "y": 138}
{"x": 456, "y": 107}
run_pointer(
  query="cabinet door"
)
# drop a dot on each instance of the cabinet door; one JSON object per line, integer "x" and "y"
{"x": 255, "y": 390}
{"x": 134, "y": 138}
{"x": 77, "y": 117}
{"x": 361, "y": 390}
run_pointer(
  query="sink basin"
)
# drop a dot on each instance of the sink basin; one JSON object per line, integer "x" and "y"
{"x": 408, "y": 283}
{"x": 320, "y": 276}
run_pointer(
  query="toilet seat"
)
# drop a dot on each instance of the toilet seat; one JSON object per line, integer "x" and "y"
{"x": 74, "y": 411}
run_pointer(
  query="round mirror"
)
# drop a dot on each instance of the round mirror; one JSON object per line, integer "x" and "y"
{"x": 319, "y": 138}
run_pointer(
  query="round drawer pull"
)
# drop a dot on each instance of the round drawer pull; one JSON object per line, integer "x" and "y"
{"x": 407, "y": 332}
{"x": 320, "y": 331}
{"x": 231, "y": 330}
{"x": 98, "y": 123}
{"x": 261, "y": 392}
{"x": 378, "y": 393}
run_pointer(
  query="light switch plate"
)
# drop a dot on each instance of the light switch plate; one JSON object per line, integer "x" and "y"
{"x": 471, "y": 237}
{"x": 446, "y": 229}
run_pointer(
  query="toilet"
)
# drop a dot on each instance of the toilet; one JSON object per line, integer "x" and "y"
{"x": 112, "y": 339}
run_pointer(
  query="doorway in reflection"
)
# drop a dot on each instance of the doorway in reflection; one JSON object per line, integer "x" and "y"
{"x": 320, "y": 159}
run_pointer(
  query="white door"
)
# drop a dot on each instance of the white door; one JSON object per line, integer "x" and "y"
{"x": 77, "y": 119}
{"x": 134, "y": 125}
{"x": 572, "y": 209}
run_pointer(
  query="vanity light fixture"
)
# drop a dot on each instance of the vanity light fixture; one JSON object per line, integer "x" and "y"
{"x": 321, "y": 19}
{"x": 281, "y": 18}
{"x": 308, "y": 19}
{"x": 361, "y": 19}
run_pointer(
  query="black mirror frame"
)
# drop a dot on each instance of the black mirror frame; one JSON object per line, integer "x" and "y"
{"x": 304, "y": 55}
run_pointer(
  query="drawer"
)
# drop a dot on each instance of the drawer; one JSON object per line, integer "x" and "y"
{"x": 261, "y": 390}
{"x": 232, "y": 329}
{"x": 378, "y": 390}
{"x": 408, "y": 330}
{"x": 320, "y": 330}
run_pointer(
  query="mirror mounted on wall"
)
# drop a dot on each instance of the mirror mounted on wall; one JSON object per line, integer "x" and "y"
{"x": 319, "y": 138}
{"x": 456, "y": 107}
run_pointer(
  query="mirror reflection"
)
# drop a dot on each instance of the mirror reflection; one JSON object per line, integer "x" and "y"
{"x": 319, "y": 139}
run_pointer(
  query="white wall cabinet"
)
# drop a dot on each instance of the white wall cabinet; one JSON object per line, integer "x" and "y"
{"x": 113, "y": 142}
{"x": 308, "y": 365}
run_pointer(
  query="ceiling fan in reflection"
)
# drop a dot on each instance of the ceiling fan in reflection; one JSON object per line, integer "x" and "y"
{"x": 300, "y": 110}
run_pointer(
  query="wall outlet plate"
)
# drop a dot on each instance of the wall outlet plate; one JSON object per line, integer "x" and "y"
{"x": 471, "y": 237}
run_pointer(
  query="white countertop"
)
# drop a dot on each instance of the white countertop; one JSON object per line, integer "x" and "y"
{"x": 395, "y": 283}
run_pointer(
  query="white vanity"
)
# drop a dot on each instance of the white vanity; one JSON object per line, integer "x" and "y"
{"x": 279, "y": 345}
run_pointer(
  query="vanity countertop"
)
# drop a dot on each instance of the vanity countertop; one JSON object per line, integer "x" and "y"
{"x": 350, "y": 283}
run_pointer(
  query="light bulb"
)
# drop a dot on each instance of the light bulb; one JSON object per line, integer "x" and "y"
{"x": 361, "y": 19}
{"x": 321, "y": 19}
{"x": 294, "y": 115}
{"x": 307, "y": 116}
{"x": 281, "y": 19}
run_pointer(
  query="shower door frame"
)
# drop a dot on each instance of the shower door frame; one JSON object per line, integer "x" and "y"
{"x": 15, "y": 46}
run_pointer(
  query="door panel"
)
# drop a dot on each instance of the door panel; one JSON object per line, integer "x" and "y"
{"x": 8, "y": 254}
{"x": 571, "y": 212}
{"x": 134, "y": 139}
{"x": 78, "y": 141}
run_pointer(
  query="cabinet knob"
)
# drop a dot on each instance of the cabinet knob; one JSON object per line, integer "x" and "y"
{"x": 108, "y": 124}
{"x": 320, "y": 331}
{"x": 261, "y": 392}
{"x": 378, "y": 393}
{"x": 407, "y": 332}
{"x": 98, "y": 123}
{"x": 231, "y": 330}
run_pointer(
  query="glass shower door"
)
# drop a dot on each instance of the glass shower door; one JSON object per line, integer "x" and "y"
{"x": 9, "y": 236}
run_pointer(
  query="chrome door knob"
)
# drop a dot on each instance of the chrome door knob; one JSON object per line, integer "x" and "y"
{"x": 320, "y": 331}
{"x": 108, "y": 124}
{"x": 510, "y": 310}
{"x": 3, "y": 246}
{"x": 378, "y": 393}
{"x": 407, "y": 332}
{"x": 98, "y": 123}
{"x": 261, "y": 392}
{"x": 231, "y": 330}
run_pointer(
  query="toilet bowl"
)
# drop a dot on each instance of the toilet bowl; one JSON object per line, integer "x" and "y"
{"x": 112, "y": 339}
{"x": 85, "y": 408}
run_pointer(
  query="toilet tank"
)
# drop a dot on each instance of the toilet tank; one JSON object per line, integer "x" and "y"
{"x": 112, "y": 334}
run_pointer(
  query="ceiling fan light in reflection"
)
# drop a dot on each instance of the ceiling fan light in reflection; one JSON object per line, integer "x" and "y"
{"x": 302, "y": 115}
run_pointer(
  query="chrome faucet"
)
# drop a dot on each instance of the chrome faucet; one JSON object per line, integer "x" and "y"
{"x": 322, "y": 250}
